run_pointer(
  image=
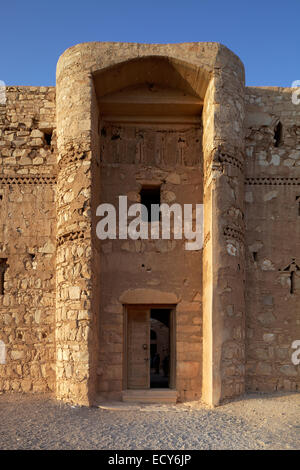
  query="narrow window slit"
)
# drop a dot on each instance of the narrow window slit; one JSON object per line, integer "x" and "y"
{"x": 150, "y": 195}
{"x": 298, "y": 200}
{"x": 292, "y": 282}
{"x": 3, "y": 268}
{"x": 278, "y": 134}
{"x": 47, "y": 136}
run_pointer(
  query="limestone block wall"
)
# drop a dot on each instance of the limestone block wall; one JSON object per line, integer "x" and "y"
{"x": 61, "y": 311}
{"x": 27, "y": 239}
{"x": 272, "y": 238}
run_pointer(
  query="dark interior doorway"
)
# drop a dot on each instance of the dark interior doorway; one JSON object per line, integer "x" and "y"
{"x": 160, "y": 348}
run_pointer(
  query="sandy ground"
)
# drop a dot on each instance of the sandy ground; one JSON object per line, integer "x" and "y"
{"x": 257, "y": 421}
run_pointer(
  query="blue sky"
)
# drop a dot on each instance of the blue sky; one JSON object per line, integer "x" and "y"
{"x": 264, "y": 34}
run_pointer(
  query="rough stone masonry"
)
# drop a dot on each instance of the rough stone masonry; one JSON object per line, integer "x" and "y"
{"x": 124, "y": 117}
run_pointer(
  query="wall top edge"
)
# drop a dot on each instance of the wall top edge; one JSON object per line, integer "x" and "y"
{"x": 26, "y": 88}
{"x": 90, "y": 56}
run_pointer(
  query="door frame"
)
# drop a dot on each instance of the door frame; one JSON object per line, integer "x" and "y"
{"x": 172, "y": 340}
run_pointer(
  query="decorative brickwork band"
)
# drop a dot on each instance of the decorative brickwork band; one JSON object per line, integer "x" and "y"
{"x": 226, "y": 158}
{"x": 219, "y": 158}
{"x": 273, "y": 181}
{"x": 27, "y": 179}
{"x": 235, "y": 233}
{"x": 67, "y": 159}
{"x": 72, "y": 154}
{"x": 70, "y": 236}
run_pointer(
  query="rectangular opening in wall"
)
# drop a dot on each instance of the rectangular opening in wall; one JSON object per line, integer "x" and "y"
{"x": 150, "y": 347}
{"x": 3, "y": 267}
{"x": 150, "y": 195}
{"x": 298, "y": 200}
{"x": 159, "y": 348}
{"x": 278, "y": 135}
{"x": 47, "y": 136}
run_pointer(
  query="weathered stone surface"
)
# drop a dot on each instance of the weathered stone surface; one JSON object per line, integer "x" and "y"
{"x": 65, "y": 293}
{"x": 27, "y": 240}
{"x": 272, "y": 220}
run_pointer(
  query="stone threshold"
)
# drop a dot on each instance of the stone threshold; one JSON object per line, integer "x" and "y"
{"x": 155, "y": 395}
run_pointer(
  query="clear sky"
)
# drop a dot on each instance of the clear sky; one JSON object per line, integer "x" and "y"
{"x": 265, "y": 34}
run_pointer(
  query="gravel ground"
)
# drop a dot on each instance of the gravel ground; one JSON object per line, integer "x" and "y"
{"x": 257, "y": 421}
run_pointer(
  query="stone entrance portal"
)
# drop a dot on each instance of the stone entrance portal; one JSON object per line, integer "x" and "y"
{"x": 134, "y": 117}
{"x": 150, "y": 359}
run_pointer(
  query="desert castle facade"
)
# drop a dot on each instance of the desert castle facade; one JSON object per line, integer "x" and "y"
{"x": 91, "y": 319}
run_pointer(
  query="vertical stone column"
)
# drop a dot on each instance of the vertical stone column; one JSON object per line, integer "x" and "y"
{"x": 223, "y": 257}
{"x": 75, "y": 319}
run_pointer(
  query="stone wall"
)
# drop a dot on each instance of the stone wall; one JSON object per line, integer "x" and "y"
{"x": 62, "y": 306}
{"x": 27, "y": 239}
{"x": 272, "y": 238}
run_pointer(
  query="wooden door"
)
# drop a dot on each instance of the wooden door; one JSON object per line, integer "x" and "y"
{"x": 138, "y": 348}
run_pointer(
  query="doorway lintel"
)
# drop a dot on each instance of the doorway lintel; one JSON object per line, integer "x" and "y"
{"x": 148, "y": 297}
